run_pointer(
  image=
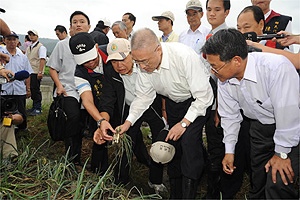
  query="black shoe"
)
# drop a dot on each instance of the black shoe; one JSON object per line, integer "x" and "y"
{"x": 189, "y": 188}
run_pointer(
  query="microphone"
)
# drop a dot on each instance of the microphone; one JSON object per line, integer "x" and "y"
{"x": 20, "y": 75}
{"x": 254, "y": 37}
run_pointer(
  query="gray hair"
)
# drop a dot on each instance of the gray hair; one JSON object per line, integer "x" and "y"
{"x": 121, "y": 24}
{"x": 143, "y": 38}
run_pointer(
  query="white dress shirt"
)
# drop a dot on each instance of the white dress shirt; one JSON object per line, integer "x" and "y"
{"x": 268, "y": 92}
{"x": 196, "y": 39}
{"x": 129, "y": 85}
{"x": 180, "y": 76}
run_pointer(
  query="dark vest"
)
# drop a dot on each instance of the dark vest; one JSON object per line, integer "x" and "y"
{"x": 276, "y": 22}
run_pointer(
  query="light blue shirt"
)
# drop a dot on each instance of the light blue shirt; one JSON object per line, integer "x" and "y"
{"x": 268, "y": 92}
{"x": 17, "y": 62}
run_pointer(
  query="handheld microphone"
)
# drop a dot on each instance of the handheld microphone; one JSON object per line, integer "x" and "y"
{"x": 254, "y": 37}
{"x": 20, "y": 75}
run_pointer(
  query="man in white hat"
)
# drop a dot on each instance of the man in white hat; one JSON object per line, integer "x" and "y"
{"x": 99, "y": 34}
{"x": 116, "y": 100}
{"x": 195, "y": 36}
{"x": 165, "y": 24}
{"x": 36, "y": 54}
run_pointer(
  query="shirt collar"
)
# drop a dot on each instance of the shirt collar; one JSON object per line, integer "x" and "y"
{"x": 134, "y": 71}
{"x": 250, "y": 71}
{"x": 164, "y": 38}
{"x": 268, "y": 14}
{"x": 33, "y": 44}
{"x": 200, "y": 29}
{"x": 222, "y": 26}
{"x": 165, "y": 58}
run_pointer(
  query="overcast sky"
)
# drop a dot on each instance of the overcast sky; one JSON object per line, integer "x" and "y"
{"x": 44, "y": 15}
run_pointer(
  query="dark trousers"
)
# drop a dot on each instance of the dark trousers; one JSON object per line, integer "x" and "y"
{"x": 139, "y": 149}
{"x": 21, "y": 101}
{"x": 231, "y": 184}
{"x": 36, "y": 94}
{"x": 188, "y": 159}
{"x": 73, "y": 138}
{"x": 262, "y": 150}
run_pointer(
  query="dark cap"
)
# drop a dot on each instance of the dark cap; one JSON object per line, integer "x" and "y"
{"x": 83, "y": 47}
{"x": 12, "y": 34}
{"x": 2, "y": 10}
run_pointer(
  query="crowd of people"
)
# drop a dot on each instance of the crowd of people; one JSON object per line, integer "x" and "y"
{"x": 245, "y": 94}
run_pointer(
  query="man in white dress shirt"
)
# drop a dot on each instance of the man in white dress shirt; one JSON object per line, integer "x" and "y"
{"x": 176, "y": 72}
{"x": 195, "y": 35}
{"x": 266, "y": 87}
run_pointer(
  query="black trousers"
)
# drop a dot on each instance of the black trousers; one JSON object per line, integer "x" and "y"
{"x": 188, "y": 159}
{"x": 73, "y": 138}
{"x": 36, "y": 94}
{"x": 262, "y": 150}
{"x": 139, "y": 149}
{"x": 231, "y": 184}
{"x": 21, "y": 101}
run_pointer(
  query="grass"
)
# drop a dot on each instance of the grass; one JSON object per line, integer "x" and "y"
{"x": 42, "y": 171}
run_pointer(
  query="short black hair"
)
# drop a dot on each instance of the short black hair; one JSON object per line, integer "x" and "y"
{"x": 131, "y": 17}
{"x": 61, "y": 29}
{"x": 227, "y": 43}
{"x": 79, "y": 13}
{"x": 27, "y": 38}
{"x": 257, "y": 13}
{"x": 226, "y": 4}
{"x": 101, "y": 25}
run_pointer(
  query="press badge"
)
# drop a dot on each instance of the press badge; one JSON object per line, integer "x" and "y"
{"x": 7, "y": 121}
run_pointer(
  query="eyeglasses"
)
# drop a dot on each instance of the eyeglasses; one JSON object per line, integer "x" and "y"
{"x": 216, "y": 71}
{"x": 145, "y": 62}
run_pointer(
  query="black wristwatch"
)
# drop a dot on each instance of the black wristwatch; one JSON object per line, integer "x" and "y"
{"x": 282, "y": 155}
{"x": 99, "y": 122}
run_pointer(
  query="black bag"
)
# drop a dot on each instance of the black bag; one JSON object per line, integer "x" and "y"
{"x": 57, "y": 119}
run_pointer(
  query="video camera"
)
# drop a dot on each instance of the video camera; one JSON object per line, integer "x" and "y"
{"x": 9, "y": 105}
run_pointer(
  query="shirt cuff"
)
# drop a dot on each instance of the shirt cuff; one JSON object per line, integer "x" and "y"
{"x": 132, "y": 119}
{"x": 229, "y": 148}
{"x": 281, "y": 149}
{"x": 190, "y": 116}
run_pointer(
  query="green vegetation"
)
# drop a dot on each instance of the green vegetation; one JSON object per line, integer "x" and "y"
{"x": 42, "y": 170}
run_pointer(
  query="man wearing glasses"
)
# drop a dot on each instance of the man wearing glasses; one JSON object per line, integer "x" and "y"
{"x": 266, "y": 87}
{"x": 195, "y": 36}
{"x": 176, "y": 72}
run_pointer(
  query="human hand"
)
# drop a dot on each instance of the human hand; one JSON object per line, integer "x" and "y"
{"x": 124, "y": 127}
{"x": 227, "y": 163}
{"x": 283, "y": 166}
{"x": 4, "y": 72}
{"x": 4, "y": 58}
{"x": 98, "y": 138}
{"x": 288, "y": 40}
{"x": 60, "y": 90}
{"x": 216, "y": 119}
{"x": 175, "y": 133}
{"x": 28, "y": 93}
{"x": 39, "y": 76}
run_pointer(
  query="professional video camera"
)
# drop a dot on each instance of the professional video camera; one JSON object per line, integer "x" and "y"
{"x": 9, "y": 105}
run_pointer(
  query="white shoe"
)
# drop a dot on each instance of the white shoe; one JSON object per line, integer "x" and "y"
{"x": 158, "y": 187}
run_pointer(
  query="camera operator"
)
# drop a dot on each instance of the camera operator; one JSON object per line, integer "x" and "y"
{"x": 19, "y": 90}
{"x": 8, "y": 145}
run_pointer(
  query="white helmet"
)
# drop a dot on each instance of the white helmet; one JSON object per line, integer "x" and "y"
{"x": 161, "y": 151}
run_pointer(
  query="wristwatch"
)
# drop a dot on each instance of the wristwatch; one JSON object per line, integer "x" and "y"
{"x": 282, "y": 155}
{"x": 183, "y": 124}
{"x": 99, "y": 122}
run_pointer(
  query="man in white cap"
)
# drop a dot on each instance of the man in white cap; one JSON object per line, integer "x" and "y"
{"x": 195, "y": 36}
{"x": 36, "y": 54}
{"x": 99, "y": 34}
{"x": 165, "y": 24}
{"x": 121, "y": 78}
